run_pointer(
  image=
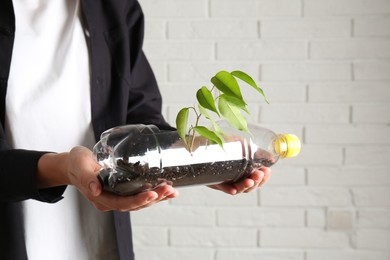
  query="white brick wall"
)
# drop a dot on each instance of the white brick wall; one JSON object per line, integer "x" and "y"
{"x": 325, "y": 67}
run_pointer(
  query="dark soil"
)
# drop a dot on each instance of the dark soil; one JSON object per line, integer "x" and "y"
{"x": 132, "y": 178}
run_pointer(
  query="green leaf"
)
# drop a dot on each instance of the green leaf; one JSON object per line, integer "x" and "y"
{"x": 204, "y": 112}
{"x": 240, "y": 103}
{"x": 232, "y": 114}
{"x": 206, "y": 99}
{"x": 227, "y": 84}
{"x": 181, "y": 123}
{"x": 246, "y": 78}
{"x": 210, "y": 135}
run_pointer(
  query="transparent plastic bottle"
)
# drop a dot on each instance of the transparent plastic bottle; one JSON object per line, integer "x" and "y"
{"x": 138, "y": 158}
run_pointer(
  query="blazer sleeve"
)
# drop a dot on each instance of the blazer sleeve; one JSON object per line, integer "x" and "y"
{"x": 18, "y": 177}
{"x": 145, "y": 102}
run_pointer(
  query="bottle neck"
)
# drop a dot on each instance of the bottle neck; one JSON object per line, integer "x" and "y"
{"x": 287, "y": 145}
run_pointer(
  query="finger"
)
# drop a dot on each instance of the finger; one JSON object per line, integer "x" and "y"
{"x": 257, "y": 177}
{"x": 164, "y": 193}
{"x": 170, "y": 194}
{"x": 101, "y": 207}
{"x": 95, "y": 188}
{"x": 225, "y": 187}
{"x": 175, "y": 194}
{"x": 267, "y": 175}
{"x": 244, "y": 185}
{"x": 141, "y": 200}
{"x": 125, "y": 203}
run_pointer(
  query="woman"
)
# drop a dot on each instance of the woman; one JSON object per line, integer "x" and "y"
{"x": 69, "y": 70}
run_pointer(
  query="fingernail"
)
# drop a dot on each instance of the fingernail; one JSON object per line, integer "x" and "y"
{"x": 93, "y": 188}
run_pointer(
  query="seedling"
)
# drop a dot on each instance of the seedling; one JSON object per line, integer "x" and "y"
{"x": 224, "y": 99}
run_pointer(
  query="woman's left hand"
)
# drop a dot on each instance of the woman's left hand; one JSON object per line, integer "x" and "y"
{"x": 257, "y": 179}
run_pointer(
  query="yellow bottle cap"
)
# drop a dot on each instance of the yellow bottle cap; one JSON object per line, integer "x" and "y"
{"x": 287, "y": 145}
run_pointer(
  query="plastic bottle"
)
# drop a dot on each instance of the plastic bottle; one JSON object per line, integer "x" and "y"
{"x": 138, "y": 158}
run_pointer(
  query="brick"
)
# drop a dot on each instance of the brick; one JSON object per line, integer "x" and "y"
{"x": 350, "y": 49}
{"x": 315, "y": 155}
{"x": 367, "y": 155}
{"x": 305, "y": 113}
{"x": 373, "y": 218}
{"x": 346, "y": 92}
{"x": 174, "y": 216}
{"x": 213, "y": 29}
{"x": 179, "y": 93}
{"x": 340, "y": 219}
{"x": 254, "y": 108}
{"x": 346, "y": 255}
{"x": 372, "y": 70}
{"x": 373, "y": 239}
{"x": 163, "y": 51}
{"x": 284, "y": 8}
{"x": 348, "y": 134}
{"x": 372, "y": 26}
{"x": 261, "y": 50}
{"x": 155, "y": 30}
{"x": 204, "y": 196}
{"x": 315, "y": 217}
{"x": 150, "y": 236}
{"x": 169, "y": 253}
{"x": 201, "y": 72}
{"x": 302, "y": 238}
{"x": 371, "y": 196}
{"x": 286, "y": 176}
{"x": 174, "y": 8}
{"x": 305, "y": 28}
{"x": 279, "y": 93}
{"x": 256, "y": 254}
{"x": 305, "y": 197}
{"x": 283, "y": 128}
{"x": 214, "y": 237}
{"x": 231, "y": 8}
{"x": 303, "y": 71}
{"x": 253, "y": 8}
{"x": 371, "y": 113}
{"x": 345, "y": 7}
{"x": 260, "y": 217}
{"x": 348, "y": 176}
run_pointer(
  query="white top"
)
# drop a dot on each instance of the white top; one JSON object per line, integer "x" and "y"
{"x": 48, "y": 108}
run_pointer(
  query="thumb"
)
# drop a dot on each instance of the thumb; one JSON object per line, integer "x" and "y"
{"x": 95, "y": 188}
{"x": 94, "y": 184}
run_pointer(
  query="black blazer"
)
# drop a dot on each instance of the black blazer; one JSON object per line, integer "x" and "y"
{"x": 123, "y": 91}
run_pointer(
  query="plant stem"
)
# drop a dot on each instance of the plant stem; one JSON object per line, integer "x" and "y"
{"x": 198, "y": 115}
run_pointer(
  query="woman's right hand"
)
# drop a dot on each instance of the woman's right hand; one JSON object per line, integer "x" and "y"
{"x": 79, "y": 168}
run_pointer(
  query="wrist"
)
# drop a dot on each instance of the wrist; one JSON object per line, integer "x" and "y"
{"x": 52, "y": 170}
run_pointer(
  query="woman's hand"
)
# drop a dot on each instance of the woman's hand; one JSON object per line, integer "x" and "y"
{"x": 257, "y": 179}
{"x": 79, "y": 168}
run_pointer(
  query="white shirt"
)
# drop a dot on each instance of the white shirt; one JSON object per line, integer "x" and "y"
{"x": 48, "y": 108}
